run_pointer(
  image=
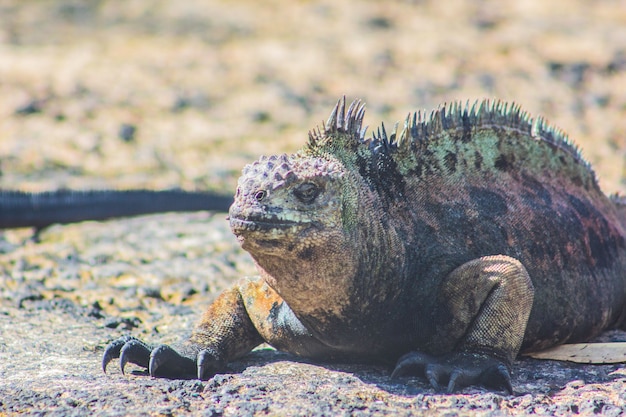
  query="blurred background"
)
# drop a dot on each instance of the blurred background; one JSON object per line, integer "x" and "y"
{"x": 161, "y": 94}
{"x": 137, "y": 93}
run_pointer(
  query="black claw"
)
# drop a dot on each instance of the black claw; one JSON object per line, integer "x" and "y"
{"x": 112, "y": 351}
{"x": 413, "y": 363}
{"x": 498, "y": 377}
{"x": 458, "y": 370}
{"x": 432, "y": 375}
{"x": 208, "y": 364}
{"x": 451, "y": 386}
{"x": 203, "y": 361}
{"x": 452, "y": 383}
{"x": 397, "y": 372}
{"x": 165, "y": 361}
{"x": 160, "y": 361}
{"x": 134, "y": 351}
{"x": 158, "y": 356}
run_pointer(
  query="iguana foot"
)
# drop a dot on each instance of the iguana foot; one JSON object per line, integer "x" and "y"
{"x": 162, "y": 360}
{"x": 457, "y": 369}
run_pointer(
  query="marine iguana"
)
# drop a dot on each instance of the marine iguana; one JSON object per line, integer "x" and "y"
{"x": 40, "y": 210}
{"x": 446, "y": 248}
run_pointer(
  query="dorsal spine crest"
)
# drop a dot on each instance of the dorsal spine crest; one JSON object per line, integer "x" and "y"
{"x": 343, "y": 127}
{"x": 342, "y": 134}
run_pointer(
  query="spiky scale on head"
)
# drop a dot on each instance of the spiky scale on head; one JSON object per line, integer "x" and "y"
{"x": 341, "y": 122}
{"x": 343, "y": 129}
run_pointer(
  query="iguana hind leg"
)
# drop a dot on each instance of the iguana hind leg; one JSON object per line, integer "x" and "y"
{"x": 484, "y": 308}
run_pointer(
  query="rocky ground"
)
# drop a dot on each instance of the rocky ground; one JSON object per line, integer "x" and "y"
{"x": 160, "y": 94}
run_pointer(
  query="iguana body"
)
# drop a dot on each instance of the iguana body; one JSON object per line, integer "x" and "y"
{"x": 39, "y": 210}
{"x": 447, "y": 247}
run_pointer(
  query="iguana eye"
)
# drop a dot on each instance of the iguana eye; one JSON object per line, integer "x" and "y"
{"x": 307, "y": 192}
{"x": 260, "y": 195}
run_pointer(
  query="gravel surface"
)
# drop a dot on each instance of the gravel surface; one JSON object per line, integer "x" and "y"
{"x": 157, "y": 94}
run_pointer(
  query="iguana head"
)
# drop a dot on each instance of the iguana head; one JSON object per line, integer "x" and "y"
{"x": 284, "y": 203}
{"x": 294, "y": 203}
{"x": 290, "y": 204}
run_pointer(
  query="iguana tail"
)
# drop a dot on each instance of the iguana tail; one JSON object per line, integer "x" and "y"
{"x": 21, "y": 209}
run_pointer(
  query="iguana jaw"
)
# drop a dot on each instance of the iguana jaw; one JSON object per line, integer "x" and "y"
{"x": 268, "y": 235}
{"x": 241, "y": 226}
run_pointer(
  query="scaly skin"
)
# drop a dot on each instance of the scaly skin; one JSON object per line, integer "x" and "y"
{"x": 446, "y": 247}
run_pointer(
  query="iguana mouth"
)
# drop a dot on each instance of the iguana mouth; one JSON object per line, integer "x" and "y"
{"x": 257, "y": 225}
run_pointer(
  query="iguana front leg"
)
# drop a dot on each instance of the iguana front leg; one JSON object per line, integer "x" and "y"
{"x": 223, "y": 333}
{"x": 484, "y": 306}
{"x": 240, "y": 319}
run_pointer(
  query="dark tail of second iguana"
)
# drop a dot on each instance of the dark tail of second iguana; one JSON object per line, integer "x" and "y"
{"x": 39, "y": 210}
